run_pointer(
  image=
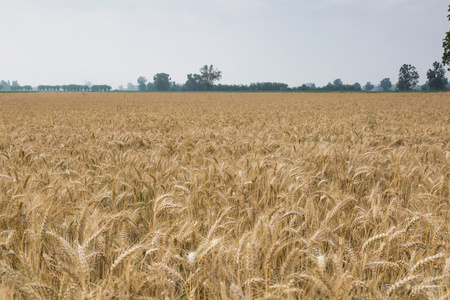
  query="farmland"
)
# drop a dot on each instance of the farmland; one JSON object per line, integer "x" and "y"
{"x": 224, "y": 195}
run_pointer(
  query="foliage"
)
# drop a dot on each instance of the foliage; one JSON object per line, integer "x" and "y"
{"x": 386, "y": 84}
{"x": 356, "y": 86}
{"x": 436, "y": 77}
{"x": 73, "y": 88}
{"x": 6, "y": 86}
{"x": 231, "y": 87}
{"x": 150, "y": 86}
{"x": 268, "y": 86}
{"x": 21, "y": 88}
{"x": 47, "y": 88}
{"x": 142, "y": 83}
{"x": 209, "y": 75}
{"x": 132, "y": 87}
{"x": 446, "y": 46}
{"x": 175, "y": 87}
{"x": 161, "y": 81}
{"x": 193, "y": 83}
{"x": 337, "y": 83}
{"x": 100, "y": 88}
{"x": 408, "y": 77}
{"x": 368, "y": 87}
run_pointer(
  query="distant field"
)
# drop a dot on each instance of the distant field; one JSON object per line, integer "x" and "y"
{"x": 224, "y": 196}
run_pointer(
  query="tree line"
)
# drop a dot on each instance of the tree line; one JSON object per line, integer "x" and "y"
{"x": 207, "y": 77}
{"x": 408, "y": 79}
{"x": 75, "y": 88}
{"x": 15, "y": 86}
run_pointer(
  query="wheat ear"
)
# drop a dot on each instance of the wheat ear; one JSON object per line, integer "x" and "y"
{"x": 124, "y": 256}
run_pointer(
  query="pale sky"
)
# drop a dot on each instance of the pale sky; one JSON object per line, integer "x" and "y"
{"x": 116, "y": 41}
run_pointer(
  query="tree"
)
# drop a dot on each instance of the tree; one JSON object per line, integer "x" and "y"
{"x": 329, "y": 87}
{"x": 354, "y": 87}
{"x": 368, "y": 87}
{"x": 131, "y": 87}
{"x": 208, "y": 75}
{"x": 161, "y": 82}
{"x": 268, "y": 86}
{"x": 142, "y": 83}
{"x": 5, "y": 85}
{"x": 338, "y": 83}
{"x": 385, "y": 84}
{"x": 407, "y": 78}
{"x": 446, "y": 45}
{"x": 436, "y": 77}
{"x": 193, "y": 83}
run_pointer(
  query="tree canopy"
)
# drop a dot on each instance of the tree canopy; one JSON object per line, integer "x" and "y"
{"x": 142, "y": 83}
{"x": 408, "y": 77}
{"x": 193, "y": 83}
{"x": 446, "y": 45}
{"x": 208, "y": 75}
{"x": 386, "y": 84}
{"x": 161, "y": 82}
{"x": 436, "y": 77}
{"x": 368, "y": 87}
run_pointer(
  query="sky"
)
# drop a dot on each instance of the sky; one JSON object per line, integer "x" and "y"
{"x": 114, "y": 42}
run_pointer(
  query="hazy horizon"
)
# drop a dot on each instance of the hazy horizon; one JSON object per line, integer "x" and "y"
{"x": 294, "y": 42}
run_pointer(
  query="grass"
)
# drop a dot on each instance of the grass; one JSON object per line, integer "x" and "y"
{"x": 224, "y": 196}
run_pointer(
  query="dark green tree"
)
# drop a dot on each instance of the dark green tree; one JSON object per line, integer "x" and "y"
{"x": 142, "y": 83}
{"x": 354, "y": 87}
{"x": 329, "y": 87}
{"x": 386, "y": 84}
{"x": 268, "y": 86}
{"x": 208, "y": 75}
{"x": 408, "y": 77}
{"x": 338, "y": 84}
{"x": 161, "y": 82}
{"x": 368, "y": 87}
{"x": 436, "y": 77}
{"x": 193, "y": 83}
{"x": 446, "y": 45}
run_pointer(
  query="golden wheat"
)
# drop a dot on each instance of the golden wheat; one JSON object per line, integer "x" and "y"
{"x": 224, "y": 196}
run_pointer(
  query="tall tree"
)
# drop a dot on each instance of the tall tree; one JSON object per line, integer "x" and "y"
{"x": 408, "y": 77}
{"x": 386, "y": 84}
{"x": 209, "y": 75}
{"x": 368, "y": 87}
{"x": 354, "y": 87}
{"x": 436, "y": 77}
{"x": 142, "y": 83}
{"x": 161, "y": 82}
{"x": 338, "y": 83}
{"x": 446, "y": 45}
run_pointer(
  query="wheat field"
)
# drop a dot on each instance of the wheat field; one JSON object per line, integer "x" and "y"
{"x": 224, "y": 196}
